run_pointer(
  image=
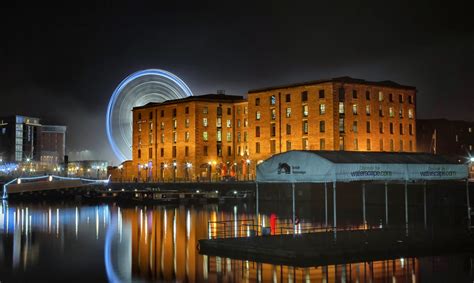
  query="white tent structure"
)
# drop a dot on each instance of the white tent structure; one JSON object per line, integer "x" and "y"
{"x": 344, "y": 166}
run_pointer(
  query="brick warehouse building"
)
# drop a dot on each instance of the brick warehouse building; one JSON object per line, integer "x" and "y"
{"x": 215, "y": 136}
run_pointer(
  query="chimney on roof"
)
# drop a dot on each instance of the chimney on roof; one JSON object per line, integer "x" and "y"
{"x": 221, "y": 91}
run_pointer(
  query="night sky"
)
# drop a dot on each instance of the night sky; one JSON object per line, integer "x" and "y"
{"x": 61, "y": 62}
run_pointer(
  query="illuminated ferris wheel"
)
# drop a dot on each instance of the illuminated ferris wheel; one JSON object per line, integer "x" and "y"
{"x": 138, "y": 89}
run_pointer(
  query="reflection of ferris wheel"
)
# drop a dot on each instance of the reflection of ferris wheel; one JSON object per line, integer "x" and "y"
{"x": 138, "y": 89}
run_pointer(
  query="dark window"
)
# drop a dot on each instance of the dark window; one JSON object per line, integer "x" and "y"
{"x": 272, "y": 130}
{"x": 174, "y": 112}
{"x": 257, "y": 131}
{"x": 205, "y": 150}
{"x": 257, "y": 147}
{"x": 186, "y": 110}
{"x": 162, "y": 114}
{"x": 219, "y": 111}
{"x": 304, "y": 96}
{"x": 367, "y": 95}
{"x": 257, "y": 101}
{"x": 322, "y": 144}
{"x": 391, "y": 128}
{"x": 229, "y": 151}
{"x": 186, "y": 151}
{"x": 150, "y": 153}
{"x": 219, "y": 150}
{"x": 400, "y": 98}
{"x": 229, "y": 111}
{"x": 322, "y": 126}
{"x": 288, "y": 98}
{"x": 139, "y": 116}
{"x": 368, "y": 126}
{"x": 401, "y": 129}
{"x": 410, "y": 99}
{"x": 174, "y": 151}
{"x": 288, "y": 129}
{"x": 321, "y": 93}
{"x": 354, "y": 93}
{"x": 390, "y": 97}
{"x": 410, "y": 129}
{"x": 139, "y": 153}
{"x": 162, "y": 152}
{"x": 381, "y": 127}
{"x": 151, "y": 116}
{"x": 288, "y": 145}
{"x": 272, "y": 146}
{"x": 341, "y": 94}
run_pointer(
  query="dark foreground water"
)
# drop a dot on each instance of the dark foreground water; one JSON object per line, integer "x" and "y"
{"x": 50, "y": 242}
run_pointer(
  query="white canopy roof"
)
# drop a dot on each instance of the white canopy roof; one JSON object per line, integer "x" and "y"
{"x": 345, "y": 166}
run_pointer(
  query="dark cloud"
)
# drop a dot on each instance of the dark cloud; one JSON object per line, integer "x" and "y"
{"x": 62, "y": 60}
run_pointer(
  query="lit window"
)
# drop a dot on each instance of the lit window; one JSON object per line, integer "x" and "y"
{"x": 186, "y": 123}
{"x": 204, "y": 122}
{"x": 391, "y": 113}
{"x": 219, "y": 135}
{"x": 186, "y": 136}
{"x": 229, "y": 123}
{"x": 204, "y": 136}
{"x": 273, "y": 111}
{"x": 305, "y": 127}
{"x": 288, "y": 112}
{"x": 305, "y": 144}
{"x": 380, "y": 96}
{"x": 272, "y": 100}
{"x": 229, "y": 137}
{"x": 367, "y": 110}
{"x": 175, "y": 137}
{"x": 257, "y": 115}
{"x": 341, "y": 107}
{"x": 354, "y": 127}
{"x": 305, "y": 111}
{"x": 219, "y": 122}
{"x": 410, "y": 113}
{"x": 205, "y": 110}
{"x": 322, "y": 109}
{"x": 175, "y": 123}
{"x": 354, "y": 109}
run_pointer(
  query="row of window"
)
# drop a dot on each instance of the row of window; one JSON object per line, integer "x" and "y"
{"x": 205, "y": 110}
{"x": 322, "y": 128}
{"x": 322, "y": 111}
{"x": 355, "y": 95}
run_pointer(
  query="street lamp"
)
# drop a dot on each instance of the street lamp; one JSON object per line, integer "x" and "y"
{"x": 174, "y": 171}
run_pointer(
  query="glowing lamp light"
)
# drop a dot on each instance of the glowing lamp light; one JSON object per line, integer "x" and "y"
{"x": 471, "y": 159}
{"x": 18, "y": 181}
{"x": 197, "y": 191}
{"x": 50, "y": 178}
{"x": 248, "y": 161}
{"x": 235, "y": 192}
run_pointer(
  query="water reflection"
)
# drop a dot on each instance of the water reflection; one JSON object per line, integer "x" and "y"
{"x": 114, "y": 243}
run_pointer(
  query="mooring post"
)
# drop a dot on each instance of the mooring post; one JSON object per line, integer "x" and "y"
{"x": 424, "y": 205}
{"x": 468, "y": 205}
{"x": 294, "y": 208}
{"x": 326, "y": 203}
{"x": 334, "y": 206}
{"x": 363, "y": 204}
{"x": 386, "y": 203}
{"x": 256, "y": 203}
{"x": 406, "y": 203}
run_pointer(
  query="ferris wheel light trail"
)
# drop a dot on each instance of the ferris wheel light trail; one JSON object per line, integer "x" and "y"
{"x": 138, "y": 89}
